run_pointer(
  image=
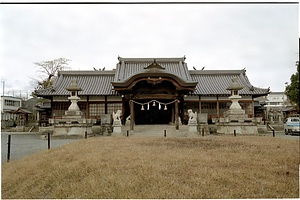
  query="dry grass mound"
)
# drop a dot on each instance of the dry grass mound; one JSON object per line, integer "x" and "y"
{"x": 148, "y": 167}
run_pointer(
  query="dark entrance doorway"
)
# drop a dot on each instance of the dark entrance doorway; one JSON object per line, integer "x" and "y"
{"x": 153, "y": 114}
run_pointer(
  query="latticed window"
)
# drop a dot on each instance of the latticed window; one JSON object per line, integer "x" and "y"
{"x": 96, "y": 109}
{"x": 223, "y": 107}
{"x": 209, "y": 107}
{"x": 247, "y": 107}
{"x": 60, "y": 108}
{"x": 113, "y": 107}
{"x": 192, "y": 105}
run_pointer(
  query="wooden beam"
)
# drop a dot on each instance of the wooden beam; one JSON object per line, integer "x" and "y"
{"x": 154, "y": 96}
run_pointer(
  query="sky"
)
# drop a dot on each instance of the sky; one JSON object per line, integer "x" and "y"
{"x": 263, "y": 38}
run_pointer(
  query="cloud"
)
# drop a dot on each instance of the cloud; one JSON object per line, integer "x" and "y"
{"x": 262, "y": 38}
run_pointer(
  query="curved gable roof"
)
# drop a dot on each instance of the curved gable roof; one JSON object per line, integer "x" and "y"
{"x": 128, "y": 67}
{"x": 130, "y": 70}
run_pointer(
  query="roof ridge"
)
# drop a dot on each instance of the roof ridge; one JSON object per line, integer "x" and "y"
{"x": 216, "y": 72}
{"x": 87, "y": 72}
{"x": 151, "y": 60}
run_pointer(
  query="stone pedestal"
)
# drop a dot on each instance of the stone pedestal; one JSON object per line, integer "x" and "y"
{"x": 117, "y": 126}
{"x": 192, "y": 126}
{"x": 106, "y": 124}
{"x": 202, "y": 123}
{"x": 239, "y": 128}
{"x": 127, "y": 122}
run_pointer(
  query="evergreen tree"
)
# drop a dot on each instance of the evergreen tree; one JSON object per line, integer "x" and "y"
{"x": 292, "y": 90}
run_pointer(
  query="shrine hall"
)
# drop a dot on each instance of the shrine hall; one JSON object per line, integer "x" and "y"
{"x": 152, "y": 91}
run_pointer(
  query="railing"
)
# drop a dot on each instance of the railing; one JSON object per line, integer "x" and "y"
{"x": 272, "y": 129}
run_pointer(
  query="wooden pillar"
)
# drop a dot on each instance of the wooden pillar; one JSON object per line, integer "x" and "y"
{"x": 131, "y": 115}
{"x": 218, "y": 107}
{"x": 176, "y": 114}
{"x": 105, "y": 104}
{"x": 123, "y": 111}
{"x": 200, "y": 104}
{"x": 173, "y": 114}
{"x": 87, "y": 113}
{"x": 253, "y": 111}
{"x": 52, "y": 110}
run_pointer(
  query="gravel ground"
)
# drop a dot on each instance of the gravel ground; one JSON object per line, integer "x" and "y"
{"x": 281, "y": 134}
{"x": 24, "y": 144}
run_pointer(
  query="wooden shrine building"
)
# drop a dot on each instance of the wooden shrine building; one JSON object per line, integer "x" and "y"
{"x": 152, "y": 91}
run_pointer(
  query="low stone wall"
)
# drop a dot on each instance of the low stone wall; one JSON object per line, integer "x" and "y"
{"x": 96, "y": 129}
{"x": 262, "y": 129}
{"x": 238, "y": 129}
{"x": 45, "y": 129}
{"x": 276, "y": 127}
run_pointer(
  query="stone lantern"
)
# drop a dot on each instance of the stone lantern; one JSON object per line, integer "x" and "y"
{"x": 235, "y": 120}
{"x": 73, "y": 123}
{"x": 235, "y": 107}
{"x": 73, "y": 108}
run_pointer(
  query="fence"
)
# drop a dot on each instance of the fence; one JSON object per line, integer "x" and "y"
{"x": 16, "y": 146}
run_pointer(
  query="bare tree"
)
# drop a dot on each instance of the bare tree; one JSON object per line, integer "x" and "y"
{"x": 48, "y": 70}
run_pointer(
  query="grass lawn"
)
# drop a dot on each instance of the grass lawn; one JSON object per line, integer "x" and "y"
{"x": 152, "y": 167}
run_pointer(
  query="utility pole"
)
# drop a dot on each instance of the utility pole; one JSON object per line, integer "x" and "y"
{"x": 3, "y": 85}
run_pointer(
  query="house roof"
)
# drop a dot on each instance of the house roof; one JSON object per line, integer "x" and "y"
{"x": 21, "y": 110}
{"x": 208, "y": 82}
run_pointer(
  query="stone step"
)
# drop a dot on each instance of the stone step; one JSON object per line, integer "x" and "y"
{"x": 157, "y": 130}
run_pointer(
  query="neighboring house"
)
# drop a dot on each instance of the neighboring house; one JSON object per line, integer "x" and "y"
{"x": 290, "y": 111}
{"x": 12, "y": 112}
{"x": 9, "y": 105}
{"x": 276, "y": 105}
{"x": 137, "y": 81}
{"x": 277, "y": 99}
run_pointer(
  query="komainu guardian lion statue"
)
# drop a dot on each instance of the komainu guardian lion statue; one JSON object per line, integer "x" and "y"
{"x": 192, "y": 115}
{"x": 117, "y": 115}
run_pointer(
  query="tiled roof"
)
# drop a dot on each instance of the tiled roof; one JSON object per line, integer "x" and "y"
{"x": 212, "y": 82}
{"x": 91, "y": 83}
{"x": 128, "y": 67}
